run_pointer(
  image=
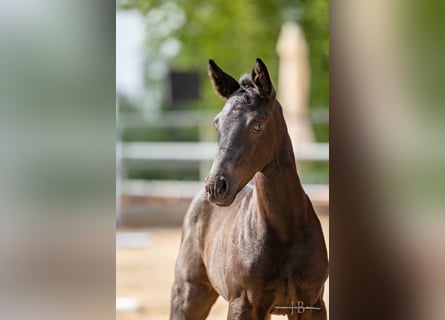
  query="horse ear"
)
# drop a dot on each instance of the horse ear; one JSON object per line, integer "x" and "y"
{"x": 261, "y": 78}
{"x": 223, "y": 84}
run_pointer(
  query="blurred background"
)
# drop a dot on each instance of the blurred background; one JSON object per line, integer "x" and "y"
{"x": 165, "y": 109}
{"x": 58, "y": 147}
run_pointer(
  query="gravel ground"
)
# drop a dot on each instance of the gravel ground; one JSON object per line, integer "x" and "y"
{"x": 145, "y": 272}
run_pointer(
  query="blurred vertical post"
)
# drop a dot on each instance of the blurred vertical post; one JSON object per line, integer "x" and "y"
{"x": 293, "y": 82}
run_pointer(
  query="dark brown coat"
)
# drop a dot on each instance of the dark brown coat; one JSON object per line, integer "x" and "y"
{"x": 252, "y": 236}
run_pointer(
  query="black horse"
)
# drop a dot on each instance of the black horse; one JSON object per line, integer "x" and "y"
{"x": 252, "y": 235}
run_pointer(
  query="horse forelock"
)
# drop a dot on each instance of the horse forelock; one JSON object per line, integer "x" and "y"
{"x": 246, "y": 82}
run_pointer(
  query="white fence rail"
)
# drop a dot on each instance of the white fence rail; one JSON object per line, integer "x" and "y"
{"x": 205, "y": 151}
{"x": 173, "y": 155}
{"x": 187, "y": 189}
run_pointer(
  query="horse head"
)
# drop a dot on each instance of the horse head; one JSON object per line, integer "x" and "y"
{"x": 246, "y": 130}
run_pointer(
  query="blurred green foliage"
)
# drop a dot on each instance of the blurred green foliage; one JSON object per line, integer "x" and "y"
{"x": 234, "y": 34}
{"x": 420, "y": 38}
{"x": 161, "y": 134}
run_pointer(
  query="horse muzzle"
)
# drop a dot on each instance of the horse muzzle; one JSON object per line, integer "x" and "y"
{"x": 217, "y": 190}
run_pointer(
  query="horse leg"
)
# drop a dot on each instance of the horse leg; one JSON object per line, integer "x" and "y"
{"x": 322, "y": 314}
{"x": 192, "y": 295}
{"x": 242, "y": 309}
{"x": 191, "y": 300}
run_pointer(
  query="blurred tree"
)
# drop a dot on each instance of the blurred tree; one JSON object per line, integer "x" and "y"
{"x": 184, "y": 34}
{"x": 234, "y": 33}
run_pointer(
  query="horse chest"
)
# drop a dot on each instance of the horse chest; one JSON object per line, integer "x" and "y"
{"x": 244, "y": 260}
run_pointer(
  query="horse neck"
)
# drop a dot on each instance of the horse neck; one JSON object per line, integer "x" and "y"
{"x": 281, "y": 198}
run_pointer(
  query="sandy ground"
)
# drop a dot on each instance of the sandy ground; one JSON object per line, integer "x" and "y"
{"x": 146, "y": 274}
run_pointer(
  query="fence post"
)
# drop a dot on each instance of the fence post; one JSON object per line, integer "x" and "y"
{"x": 294, "y": 82}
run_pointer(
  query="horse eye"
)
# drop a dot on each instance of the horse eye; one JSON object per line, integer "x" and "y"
{"x": 257, "y": 127}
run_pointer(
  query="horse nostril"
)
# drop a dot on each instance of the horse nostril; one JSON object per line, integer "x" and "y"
{"x": 216, "y": 187}
{"x": 222, "y": 185}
